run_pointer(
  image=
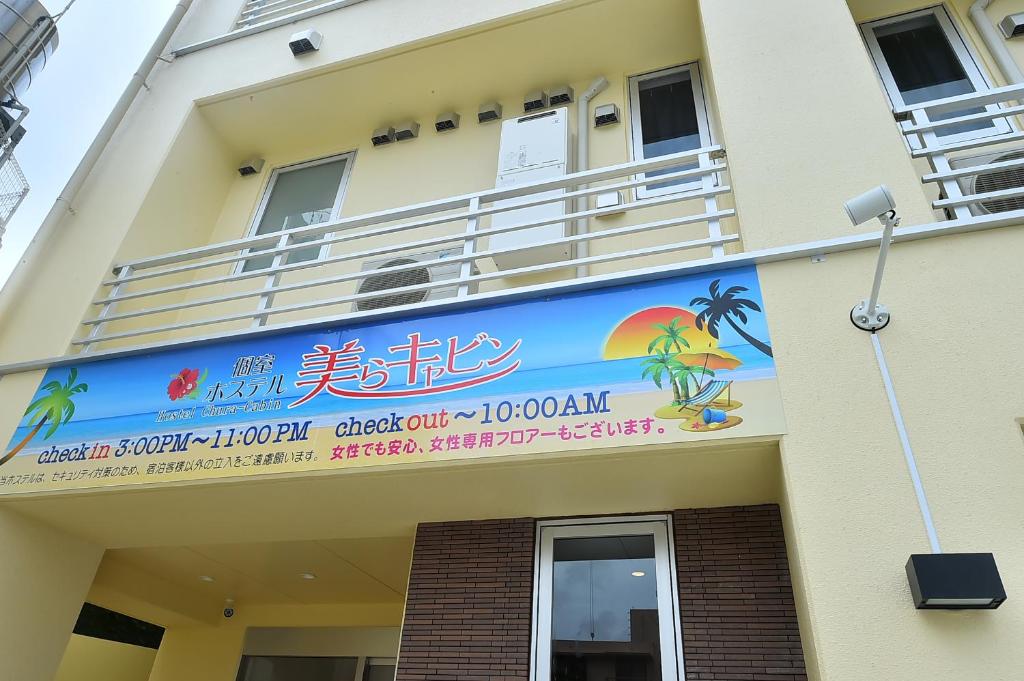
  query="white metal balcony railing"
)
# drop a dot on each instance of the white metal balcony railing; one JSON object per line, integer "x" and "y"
{"x": 976, "y": 173}
{"x": 452, "y": 223}
{"x": 260, "y": 11}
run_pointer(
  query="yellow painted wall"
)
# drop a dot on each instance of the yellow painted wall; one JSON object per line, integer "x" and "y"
{"x": 806, "y": 125}
{"x": 44, "y": 576}
{"x": 852, "y": 511}
{"x": 200, "y": 654}
{"x": 94, "y": 659}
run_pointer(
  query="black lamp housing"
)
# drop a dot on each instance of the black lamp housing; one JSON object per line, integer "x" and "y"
{"x": 955, "y": 581}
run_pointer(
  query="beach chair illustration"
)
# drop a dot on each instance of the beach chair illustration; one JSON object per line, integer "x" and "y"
{"x": 707, "y": 395}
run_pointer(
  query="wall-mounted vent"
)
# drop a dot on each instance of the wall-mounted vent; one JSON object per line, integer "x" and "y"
{"x": 606, "y": 114}
{"x": 304, "y": 42}
{"x": 489, "y": 112}
{"x": 434, "y": 269}
{"x": 561, "y": 95}
{"x": 383, "y": 136}
{"x": 407, "y": 131}
{"x": 447, "y": 121}
{"x": 535, "y": 101}
{"x": 1012, "y": 25}
{"x": 992, "y": 181}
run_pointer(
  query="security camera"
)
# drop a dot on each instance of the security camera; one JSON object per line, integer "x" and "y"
{"x": 229, "y": 608}
{"x": 874, "y": 203}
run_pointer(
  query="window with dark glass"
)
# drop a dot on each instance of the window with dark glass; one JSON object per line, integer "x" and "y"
{"x": 668, "y": 118}
{"x": 921, "y": 58}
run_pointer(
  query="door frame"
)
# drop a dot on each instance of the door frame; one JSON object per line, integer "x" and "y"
{"x": 669, "y": 621}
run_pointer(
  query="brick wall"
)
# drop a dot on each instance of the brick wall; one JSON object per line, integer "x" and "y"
{"x": 467, "y": 614}
{"x": 738, "y": 618}
{"x": 470, "y": 596}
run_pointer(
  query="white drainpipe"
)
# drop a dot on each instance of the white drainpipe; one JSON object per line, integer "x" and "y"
{"x": 996, "y": 46}
{"x": 583, "y": 163}
{"x": 63, "y": 204}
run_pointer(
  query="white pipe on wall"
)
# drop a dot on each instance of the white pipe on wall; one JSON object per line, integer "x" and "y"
{"x": 996, "y": 46}
{"x": 63, "y": 204}
{"x": 583, "y": 160}
{"x": 908, "y": 452}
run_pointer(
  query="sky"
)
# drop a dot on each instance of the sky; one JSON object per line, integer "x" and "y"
{"x": 101, "y": 45}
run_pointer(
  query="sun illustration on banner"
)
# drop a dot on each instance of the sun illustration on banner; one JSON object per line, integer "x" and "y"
{"x": 681, "y": 354}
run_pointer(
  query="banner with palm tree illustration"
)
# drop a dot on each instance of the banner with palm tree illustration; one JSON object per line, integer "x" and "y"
{"x": 673, "y": 360}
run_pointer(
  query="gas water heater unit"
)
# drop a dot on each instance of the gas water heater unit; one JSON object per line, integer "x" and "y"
{"x": 533, "y": 148}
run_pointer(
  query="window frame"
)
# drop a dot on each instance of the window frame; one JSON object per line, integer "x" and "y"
{"x": 969, "y": 61}
{"x": 636, "y": 126}
{"x": 660, "y": 526}
{"x": 268, "y": 191}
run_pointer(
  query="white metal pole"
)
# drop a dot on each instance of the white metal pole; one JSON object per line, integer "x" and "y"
{"x": 888, "y": 222}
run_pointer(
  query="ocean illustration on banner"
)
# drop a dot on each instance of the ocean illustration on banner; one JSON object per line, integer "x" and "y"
{"x": 678, "y": 360}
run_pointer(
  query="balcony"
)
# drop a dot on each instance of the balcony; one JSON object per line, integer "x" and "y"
{"x": 972, "y": 145}
{"x": 432, "y": 253}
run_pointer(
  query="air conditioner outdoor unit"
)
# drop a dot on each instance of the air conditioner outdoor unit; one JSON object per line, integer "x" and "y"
{"x": 992, "y": 180}
{"x": 432, "y": 271}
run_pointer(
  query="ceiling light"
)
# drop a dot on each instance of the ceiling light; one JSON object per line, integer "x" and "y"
{"x": 639, "y": 573}
{"x": 205, "y": 578}
{"x": 307, "y": 575}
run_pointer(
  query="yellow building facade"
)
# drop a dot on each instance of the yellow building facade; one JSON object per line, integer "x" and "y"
{"x": 606, "y": 238}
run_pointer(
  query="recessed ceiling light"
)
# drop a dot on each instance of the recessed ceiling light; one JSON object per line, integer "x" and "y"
{"x": 205, "y": 578}
{"x": 307, "y": 575}
{"x": 639, "y": 573}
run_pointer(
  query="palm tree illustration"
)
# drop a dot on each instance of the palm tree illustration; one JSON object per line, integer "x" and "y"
{"x": 672, "y": 338}
{"x": 689, "y": 373}
{"x": 664, "y": 365}
{"x": 55, "y": 408}
{"x": 726, "y": 306}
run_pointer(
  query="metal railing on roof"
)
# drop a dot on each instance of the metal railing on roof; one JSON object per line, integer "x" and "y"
{"x": 974, "y": 144}
{"x": 258, "y": 11}
{"x": 670, "y": 224}
{"x": 256, "y": 17}
{"x": 13, "y": 189}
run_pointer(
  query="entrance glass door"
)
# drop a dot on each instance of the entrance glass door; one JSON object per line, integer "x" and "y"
{"x": 606, "y": 609}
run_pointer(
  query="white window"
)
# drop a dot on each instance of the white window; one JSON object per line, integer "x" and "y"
{"x": 298, "y": 196}
{"x": 920, "y": 57}
{"x": 605, "y": 602}
{"x": 668, "y": 116}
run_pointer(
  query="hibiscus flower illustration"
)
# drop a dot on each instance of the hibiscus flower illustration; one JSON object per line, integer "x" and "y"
{"x": 186, "y": 384}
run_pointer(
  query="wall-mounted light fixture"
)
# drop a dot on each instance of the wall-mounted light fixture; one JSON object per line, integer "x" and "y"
{"x": 877, "y": 203}
{"x": 955, "y": 581}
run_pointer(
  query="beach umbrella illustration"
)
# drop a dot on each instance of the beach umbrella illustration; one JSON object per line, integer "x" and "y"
{"x": 709, "y": 357}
